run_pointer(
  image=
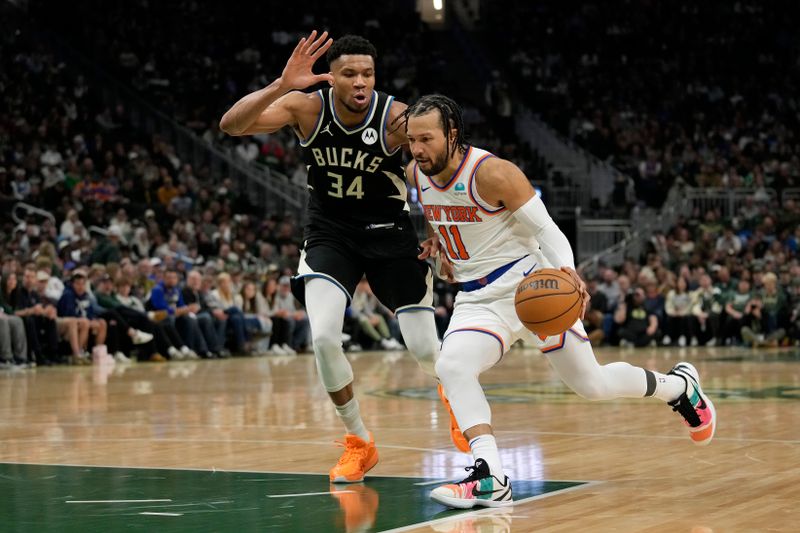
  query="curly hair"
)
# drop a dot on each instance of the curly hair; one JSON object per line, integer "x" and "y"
{"x": 450, "y": 115}
{"x": 350, "y": 45}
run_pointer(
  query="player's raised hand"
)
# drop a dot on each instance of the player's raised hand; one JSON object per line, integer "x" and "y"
{"x": 298, "y": 73}
{"x": 585, "y": 296}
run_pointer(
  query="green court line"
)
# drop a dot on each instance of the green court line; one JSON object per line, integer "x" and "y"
{"x": 35, "y": 498}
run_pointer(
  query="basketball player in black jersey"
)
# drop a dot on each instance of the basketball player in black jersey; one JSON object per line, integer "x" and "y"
{"x": 358, "y": 216}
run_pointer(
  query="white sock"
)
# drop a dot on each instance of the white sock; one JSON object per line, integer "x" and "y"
{"x": 351, "y": 416}
{"x": 668, "y": 386}
{"x": 485, "y": 447}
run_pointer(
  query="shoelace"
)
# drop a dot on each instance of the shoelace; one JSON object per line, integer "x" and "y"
{"x": 687, "y": 411}
{"x": 474, "y": 475}
{"x": 351, "y": 453}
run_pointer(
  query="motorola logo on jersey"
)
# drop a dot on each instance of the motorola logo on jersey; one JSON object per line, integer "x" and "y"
{"x": 370, "y": 136}
{"x": 346, "y": 158}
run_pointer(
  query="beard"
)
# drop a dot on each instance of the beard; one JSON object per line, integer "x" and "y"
{"x": 437, "y": 165}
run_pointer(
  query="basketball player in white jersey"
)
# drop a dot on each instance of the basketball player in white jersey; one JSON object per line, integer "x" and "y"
{"x": 495, "y": 231}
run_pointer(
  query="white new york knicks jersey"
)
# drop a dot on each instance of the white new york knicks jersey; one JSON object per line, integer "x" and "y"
{"x": 478, "y": 237}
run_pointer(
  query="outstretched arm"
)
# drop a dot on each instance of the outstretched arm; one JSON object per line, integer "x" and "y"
{"x": 271, "y": 108}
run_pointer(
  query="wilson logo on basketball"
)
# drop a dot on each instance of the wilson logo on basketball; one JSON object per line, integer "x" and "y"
{"x": 538, "y": 284}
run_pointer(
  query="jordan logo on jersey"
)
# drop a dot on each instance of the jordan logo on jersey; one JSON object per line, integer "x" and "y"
{"x": 452, "y": 213}
{"x": 327, "y": 129}
{"x": 370, "y": 136}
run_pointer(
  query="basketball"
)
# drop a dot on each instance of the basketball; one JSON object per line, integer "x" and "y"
{"x": 548, "y": 302}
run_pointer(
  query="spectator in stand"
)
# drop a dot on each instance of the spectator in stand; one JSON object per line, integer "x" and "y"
{"x": 68, "y": 230}
{"x": 168, "y": 340}
{"x": 768, "y": 310}
{"x": 108, "y": 251}
{"x": 211, "y": 319}
{"x": 144, "y": 328}
{"x": 167, "y": 191}
{"x": 680, "y": 324}
{"x": 166, "y": 296}
{"x": 655, "y": 304}
{"x": 282, "y": 323}
{"x": 39, "y": 318}
{"x": 365, "y": 310}
{"x": 224, "y": 297}
{"x": 13, "y": 340}
{"x": 69, "y": 328}
{"x": 75, "y": 303}
{"x": 120, "y": 220}
{"x": 729, "y": 243}
{"x": 737, "y": 310}
{"x": 286, "y": 302}
{"x": 256, "y": 315}
{"x": 610, "y": 288}
{"x": 794, "y": 313}
{"x": 708, "y": 306}
{"x": 637, "y": 327}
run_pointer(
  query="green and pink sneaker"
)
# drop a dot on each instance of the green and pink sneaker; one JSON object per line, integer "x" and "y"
{"x": 694, "y": 406}
{"x": 479, "y": 489}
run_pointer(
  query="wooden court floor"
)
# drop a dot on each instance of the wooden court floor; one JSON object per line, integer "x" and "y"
{"x": 244, "y": 445}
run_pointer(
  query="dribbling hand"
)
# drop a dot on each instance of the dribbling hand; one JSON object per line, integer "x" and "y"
{"x": 298, "y": 73}
{"x": 585, "y": 296}
{"x": 432, "y": 248}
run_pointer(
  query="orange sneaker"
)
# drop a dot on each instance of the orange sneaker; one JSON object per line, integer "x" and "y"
{"x": 358, "y": 458}
{"x": 359, "y": 505}
{"x": 456, "y": 436}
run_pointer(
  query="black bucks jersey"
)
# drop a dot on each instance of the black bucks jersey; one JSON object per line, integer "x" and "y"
{"x": 357, "y": 186}
{"x": 358, "y": 221}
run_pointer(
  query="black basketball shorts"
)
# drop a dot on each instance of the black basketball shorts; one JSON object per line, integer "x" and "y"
{"x": 400, "y": 283}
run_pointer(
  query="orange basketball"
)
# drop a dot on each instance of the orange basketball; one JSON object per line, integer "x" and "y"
{"x": 548, "y": 302}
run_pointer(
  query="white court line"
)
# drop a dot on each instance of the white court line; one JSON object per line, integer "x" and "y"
{"x": 640, "y": 436}
{"x": 424, "y": 483}
{"x": 233, "y": 441}
{"x": 115, "y": 501}
{"x": 161, "y": 514}
{"x": 193, "y": 469}
{"x": 398, "y": 447}
{"x": 488, "y": 511}
{"x": 308, "y": 494}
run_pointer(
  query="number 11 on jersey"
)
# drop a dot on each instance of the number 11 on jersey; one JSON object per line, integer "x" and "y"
{"x": 458, "y": 253}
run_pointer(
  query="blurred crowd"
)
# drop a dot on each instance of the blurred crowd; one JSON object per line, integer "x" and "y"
{"x": 702, "y": 92}
{"x": 195, "y": 79}
{"x": 132, "y": 249}
{"x": 116, "y": 215}
{"x": 708, "y": 281}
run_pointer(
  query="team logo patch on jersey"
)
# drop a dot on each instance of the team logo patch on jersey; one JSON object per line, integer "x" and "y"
{"x": 459, "y": 186}
{"x": 370, "y": 136}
